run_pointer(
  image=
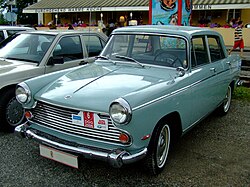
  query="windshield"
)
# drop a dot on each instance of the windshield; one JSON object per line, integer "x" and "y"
{"x": 151, "y": 49}
{"x": 27, "y": 47}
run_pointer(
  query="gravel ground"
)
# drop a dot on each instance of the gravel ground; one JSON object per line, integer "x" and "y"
{"x": 214, "y": 153}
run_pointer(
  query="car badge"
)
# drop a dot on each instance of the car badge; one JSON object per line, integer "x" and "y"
{"x": 67, "y": 97}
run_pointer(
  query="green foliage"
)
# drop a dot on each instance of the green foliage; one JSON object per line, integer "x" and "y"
{"x": 22, "y": 18}
{"x": 242, "y": 93}
{"x": 2, "y": 20}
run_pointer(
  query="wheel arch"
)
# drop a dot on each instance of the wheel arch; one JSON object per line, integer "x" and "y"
{"x": 8, "y": 87}
{"x": 173, "y": 119}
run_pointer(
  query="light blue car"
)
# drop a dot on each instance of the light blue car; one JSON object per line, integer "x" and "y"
{"x": 150, "y": 85}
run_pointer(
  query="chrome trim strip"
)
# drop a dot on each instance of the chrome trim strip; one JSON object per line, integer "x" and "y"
{"x": 176, "y": 92}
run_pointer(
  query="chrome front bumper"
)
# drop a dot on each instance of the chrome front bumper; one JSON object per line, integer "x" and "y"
{"x": 115, "y": 158}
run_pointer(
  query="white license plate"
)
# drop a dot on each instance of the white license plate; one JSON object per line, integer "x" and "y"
{"x": 59, "y": 156}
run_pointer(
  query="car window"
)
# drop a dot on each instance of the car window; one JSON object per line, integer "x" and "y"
{"x": 199, "y": 54}
{"x": 148, "y": 49}
{"x": 26, "y": 47}
{"x": 11, "y": 32}
{"x": 216, "y": 51}
{"x": 1, "y": 36}
{"x": 93, "y": 44}
{"x": 69, "y": 48}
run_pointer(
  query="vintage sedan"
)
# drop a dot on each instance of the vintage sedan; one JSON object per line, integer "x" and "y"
{"x": 150, "y": 85}
{"x": 35, "y": 53}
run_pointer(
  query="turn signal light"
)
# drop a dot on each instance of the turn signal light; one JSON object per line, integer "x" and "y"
{"x": 28, "y": 115}
{"x": 124, "y": 138}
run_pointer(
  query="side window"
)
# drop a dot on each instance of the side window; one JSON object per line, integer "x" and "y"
{"x": 1, "y": 36}
{"x": 93, "y": 44}
{"x": 216, "y": 51}
{"x": 199, "y": 54}
{"x": 11, "y": 32}
{"x": 69, "y": 48}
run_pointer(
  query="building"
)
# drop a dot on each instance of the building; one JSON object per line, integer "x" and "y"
{"x": 219, "y": 12}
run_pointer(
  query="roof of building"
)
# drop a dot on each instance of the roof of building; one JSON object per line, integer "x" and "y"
{"x": 54, "y": 6}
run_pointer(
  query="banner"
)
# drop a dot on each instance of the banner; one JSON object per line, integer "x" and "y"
{"x": 165, "y": 12}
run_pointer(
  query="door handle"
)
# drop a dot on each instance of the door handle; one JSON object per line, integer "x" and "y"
{"x": 213, "y": 69}
{"x": 83, "y": 62}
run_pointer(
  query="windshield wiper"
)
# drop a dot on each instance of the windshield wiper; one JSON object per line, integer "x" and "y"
{"x": 105, "y": 58}
{"x": 130, "y": 59}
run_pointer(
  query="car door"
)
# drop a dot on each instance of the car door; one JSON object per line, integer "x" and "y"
{"x": 206, "y": 82}
{"x": 69, "y": 51}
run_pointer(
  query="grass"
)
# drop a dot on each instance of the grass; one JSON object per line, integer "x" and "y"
{"x": 242, "y": 93}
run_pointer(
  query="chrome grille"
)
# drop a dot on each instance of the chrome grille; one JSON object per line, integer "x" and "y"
{"x": 60, "y": 119}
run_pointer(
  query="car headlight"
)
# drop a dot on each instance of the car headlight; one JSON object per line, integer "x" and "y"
{"x": 120, "y": 111}
{"x": 23, "y": 94}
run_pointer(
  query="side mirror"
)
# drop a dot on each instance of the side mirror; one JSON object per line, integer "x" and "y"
{"x": 55, "y": 60}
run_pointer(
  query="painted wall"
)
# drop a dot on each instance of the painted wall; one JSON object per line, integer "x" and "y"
{"x": 228, "y": 36}
{"x": 245, "y": 15}
{"x": 166, "y": 12}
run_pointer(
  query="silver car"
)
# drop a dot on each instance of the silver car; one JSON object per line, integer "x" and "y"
{"x": 36, "y": 53}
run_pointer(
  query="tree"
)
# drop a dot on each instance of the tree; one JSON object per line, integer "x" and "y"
{"x": 24, "y": 18}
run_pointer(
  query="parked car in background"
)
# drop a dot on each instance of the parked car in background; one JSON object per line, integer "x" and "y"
{"x": 6, "y": 31}
{"x": 150, "y": 85}
{"x": 35, "y": 53}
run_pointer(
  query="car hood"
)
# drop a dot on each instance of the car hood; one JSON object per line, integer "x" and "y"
{"x": 12, "y": 66}
{"x": 95, "y": 86}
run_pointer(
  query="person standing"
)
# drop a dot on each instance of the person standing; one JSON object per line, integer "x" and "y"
{"x": 238, "y": 39}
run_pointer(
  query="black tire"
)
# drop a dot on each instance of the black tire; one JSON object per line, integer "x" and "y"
{"x": 225, "y": 106}
{"x": 11, "y": 112}
{"x": 156, "y": 158}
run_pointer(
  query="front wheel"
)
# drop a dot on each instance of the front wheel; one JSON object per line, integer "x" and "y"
{"x": 11, "y": 112}
{"x": 158, "y": 149}
{"x": 224, "y": 107}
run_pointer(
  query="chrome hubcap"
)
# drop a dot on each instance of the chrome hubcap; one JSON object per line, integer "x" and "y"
{"x": 227, "y": 99}
{"x": 163, "y": 146}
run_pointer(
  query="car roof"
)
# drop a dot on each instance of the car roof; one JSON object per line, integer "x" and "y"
{"x": 61, "y": 32}
{"x": 6, "y": 27}
{"x": 186, "y": 31}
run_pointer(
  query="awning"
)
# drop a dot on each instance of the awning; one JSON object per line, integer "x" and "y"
{"x": 55, "y": 6}
{"x": 220, "y": 4}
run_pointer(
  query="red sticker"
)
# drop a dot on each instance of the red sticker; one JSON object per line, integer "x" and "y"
{"x": 88, "y": 119}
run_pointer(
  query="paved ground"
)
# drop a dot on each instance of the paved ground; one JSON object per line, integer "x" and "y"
{"x": 214, "y": 153}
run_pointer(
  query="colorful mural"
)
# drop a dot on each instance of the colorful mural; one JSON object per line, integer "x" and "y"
{"x": 165, "y": 12}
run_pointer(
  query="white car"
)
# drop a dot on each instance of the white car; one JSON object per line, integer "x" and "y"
{"x": 6, "y": 31}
